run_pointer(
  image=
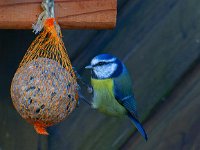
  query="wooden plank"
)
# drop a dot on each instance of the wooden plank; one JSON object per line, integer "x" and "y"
{"x": 175, "y": 124}
{"x": 71, "y": 14}
{"x": 16, "y": 133}
{"x": 149, "y": 40}
{"x": 157, "y": 48}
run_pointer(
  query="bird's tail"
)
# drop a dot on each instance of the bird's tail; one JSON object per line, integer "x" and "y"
{"x": 138, "y": 126}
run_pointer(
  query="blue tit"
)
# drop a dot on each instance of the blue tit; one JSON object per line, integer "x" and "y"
{"x": 112, "y": 89}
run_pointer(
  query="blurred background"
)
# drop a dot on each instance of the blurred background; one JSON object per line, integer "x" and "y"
{"x": 159, "y": 41}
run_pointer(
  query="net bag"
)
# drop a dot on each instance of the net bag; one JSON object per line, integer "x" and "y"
{"x": 44, "y": 89}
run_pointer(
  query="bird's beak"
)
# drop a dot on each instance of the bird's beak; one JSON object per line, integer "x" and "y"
{"x": 88, "y": 67}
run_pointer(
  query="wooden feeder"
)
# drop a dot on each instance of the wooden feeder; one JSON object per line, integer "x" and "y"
{"x": 70, "y": 14}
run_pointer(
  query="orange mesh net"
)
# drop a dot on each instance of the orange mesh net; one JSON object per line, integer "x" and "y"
{"x": 48, "y": 44}
{"x": 44, "y": 88}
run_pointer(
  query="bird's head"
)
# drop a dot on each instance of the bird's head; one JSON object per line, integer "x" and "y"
{"x": 105, "y": 66}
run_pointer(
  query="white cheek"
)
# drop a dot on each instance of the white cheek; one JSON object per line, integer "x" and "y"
{"x": 105, "y": 71}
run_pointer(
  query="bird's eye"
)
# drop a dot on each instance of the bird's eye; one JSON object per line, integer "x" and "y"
{"x": 101, "y": 63}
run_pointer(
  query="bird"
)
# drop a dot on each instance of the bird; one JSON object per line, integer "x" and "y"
{"x": 112, "y": 89}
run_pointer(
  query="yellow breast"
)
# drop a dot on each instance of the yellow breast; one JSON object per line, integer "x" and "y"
{"x": 104, "y": 98}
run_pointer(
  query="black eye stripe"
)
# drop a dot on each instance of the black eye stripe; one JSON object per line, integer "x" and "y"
{"x": 101, "y": 63}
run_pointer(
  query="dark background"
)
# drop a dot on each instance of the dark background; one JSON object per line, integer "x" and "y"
{"x": 159, "y": 42}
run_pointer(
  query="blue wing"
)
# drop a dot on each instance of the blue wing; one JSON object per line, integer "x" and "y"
{"x": 123, "y": 94}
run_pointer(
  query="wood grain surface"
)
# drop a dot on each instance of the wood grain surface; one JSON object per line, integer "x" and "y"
{"x": 158, "y": 41}
{"x": 71, "y": 14}
{"x": 176, "y": 124}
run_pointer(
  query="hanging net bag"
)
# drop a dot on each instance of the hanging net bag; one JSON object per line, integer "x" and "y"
{"x": 44, "y": 89}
